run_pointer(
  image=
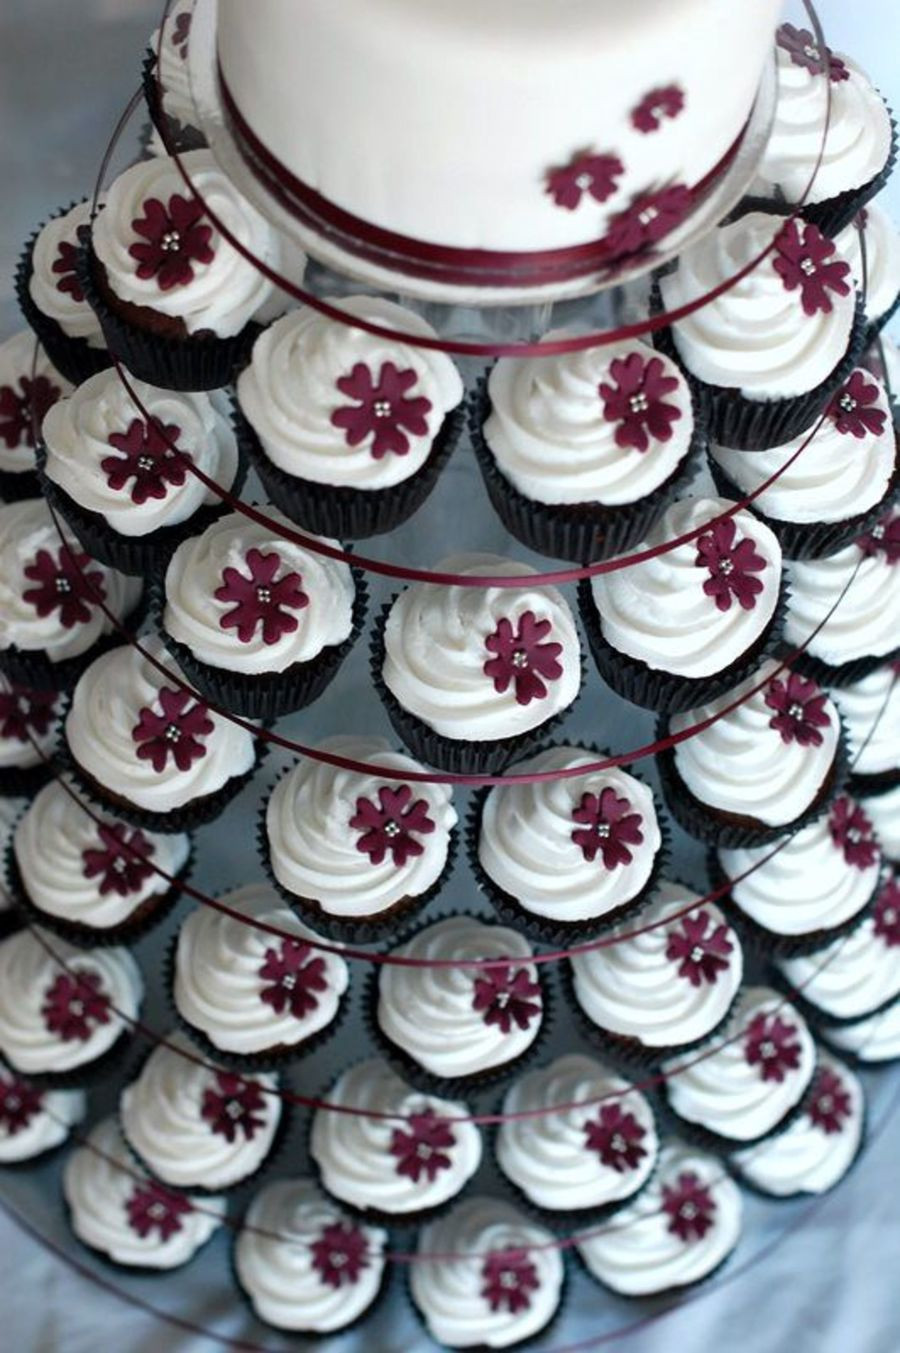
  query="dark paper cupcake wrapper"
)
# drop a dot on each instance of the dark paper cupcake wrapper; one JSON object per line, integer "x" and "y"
{"x": 664, "y": 691}
{"x": 842, "y": 674}
{"x": 32, "y": 667}
{"x": 15, "y": 488}
{"x": 812, "y": 540}
{"x": 582, "y": 532}
{"x": 110, "y": 1063}
{"x": 191, "y": 363}
{"x": 23, "y": 782}
{"x": 865, "y": 786}
{"x": 709, "y": 1140}
{"x": 73, "y": 358}
{"x": 182, "y": 138}
{"x": 456, "y": 756}
{"x": 355, "y": 514}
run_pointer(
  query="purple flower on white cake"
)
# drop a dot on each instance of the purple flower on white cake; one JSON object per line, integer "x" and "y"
{"x": 260, "y": 598}
{"x": 65, "y": 583}
{"x": 731, "y": 560}
{"x": 689, "y": 1206}
{"x": 421, "y": 1146}
{"x": 73, "y": 1004}
{"x": 853, "y": 833}
{"x": 804, "y": 51}
{"x": 700, "y": 948}
{"x": 121, "y": 861}
{"x": 391, "y": 826}
{"x": 181, "y": 31}
{"x": 854, "y": 408}
{"x": 291, "y": 976}
{"x": 635, "y": 400}
{"x": 65, "y": 267}
{"x": 799, "y": 710}
{"x": 340, "y": 1254}
{"x": 770, "y": 1044}
{"x": 522, "y": 658}
{"x": 508, "y": 1278}
{"x": 658, "y": 104}
{"x": 829, "y": 1105}
{"x": 384, "y": 411}
{"x": 616, "y": 1137}
{"x": 586, "y": 173}
{"x": 149, "y": 457}
{"x": 172, "y": 240}
{"x": 607, "y": 827}
{"x": 803, "y": 258}
{"x": 887, "y": 914}
{"x": 506, "y": 996}
{"x": 177, "y": 730}
{"x": 25, "y": 713}
{"x": 235, "y": 1106}
{"x": 150, "y": 1208}
{"x": 649, "y": 218}
{"x": 883, "y": 538}
{"x": 19, "y": 1102}
{"x": 19, "y": 412}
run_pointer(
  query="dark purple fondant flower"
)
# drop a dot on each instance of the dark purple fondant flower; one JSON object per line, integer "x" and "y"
{"x": 635, "y": 399}
{"x": 65, "y": 267}
{"x": 421, "y": 1146}
{"x": 340, "y": 1254}
{"x": 25, "y": 713}
{"x": 690, "y": 1207}
{"x": 506, "y": 996}
{"x": 770, "y": 1044}
{"x": 658, "y": 104}
{"x": 177, "y": 731}
{"x": 700, "y": 947}
{"x": 150, "y": 459}
{"x": 883, "y": 538}
{"x": 854, "y": 408}
{"x": 803, "y": 258}
{"x": 608, "y": 826}
{"x": 853, "y": 833}
{"x": 172, "y": 240}
{"x": 799, "y": 710}
{"x": 181, "y": 31}
{"x": 150, "y": 1207}
{"x": 19, "y": 1102}
{"x": 121, "y": 861}
{"x": 508, "y": 1278}
{"x": 65, "y": 582}
{"x": 291, "y": 976}
{"x": 521, "y": 658}
{"x": 384, "y": 411}
{"x": 649, "y": 218}
{"x": 804, "y": 51}
{"x": 74, "y": 1004}
{"x": 616, "y": 1137}
{"x": 19, "y": 412}
{"x": 235, "y": 1106}
{"x": 887, "y": 914}
{"x": 829, "y": 1106}
{"x": 586, "y": 173}
{"x": 260, "y": 598}
{"x": 731, "y": 560}
{"x": 392, "y": 825}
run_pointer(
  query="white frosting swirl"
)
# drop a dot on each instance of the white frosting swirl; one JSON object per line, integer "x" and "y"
{"x": 742, "y": 765}
{"x": 359, "y": 1157}
{"x": 435, "y": 651}
{"x": 430, "y": 1012}
{"x": 866, "y": 620}
{"x": 756, "y": 335}
{"x": 218, "y": 984}
{"x": 21, "y": 355}
{"x": 883, "y": 811}
{"x": 857, "y": 143}
{"x": 318, "y": 855}
{"x": 721, "y": 1090}
{"x": 224, "y": 294}
{"x": 194, "y": 615}
{"x": 27, "y": 529}
{"x": 36, "y": 747}
{"x": 289, "y": 392}
{"x": 77, "y": 433}
{"x": 804, "y": 885}
{"x": 33, "y": 964}
{"x": 805, "y": 1158}
{"x": 71, "y": 311}
{"x": 43, "y": 1128}
{"x": 835, "y": 477}
{"x": 173, "y": 67}
{"x": 853, "y": 976}
{"x": 526, "y": 839}
{"x": 50, "y": 844}
{"x": 633, "y": 988}
{"x": 873, "y": 1039}
{"x": 882, "y": 240}
{"x": 552, "y": 440}
{"x": 99, "y": 1182}
{"x": 871, "y": 711}
{"x": 450, "y": 1292}
{"x": 275, "y": 1262}
{"x": 550, "y": 1156}
{"x": 106, "y": 708}
{"x": 162, "y": 1118}
{"x": 658, "y": 612}
{"x": 638, "y": 1253}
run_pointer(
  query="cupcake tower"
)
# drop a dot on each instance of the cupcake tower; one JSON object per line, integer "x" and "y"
{"x": 569, "y": 1051}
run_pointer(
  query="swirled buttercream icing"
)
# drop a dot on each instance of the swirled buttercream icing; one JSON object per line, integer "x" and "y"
{"x": 883, "y": 811}
{"x": 241, "y": 597}
{"x": 882, "y": 270}
{"x": 873, "y": 1039}
{"x": 569, "y": 849}
{"x": 54, "y": 285}
{"x": 33, "y": 1121}
{"x": 482, "y": 663}
{"x": 870, "y": 709}
{"x": 170, "y": 46}
{"x": 696, "y": 608}
{"x": 29, "y": 386}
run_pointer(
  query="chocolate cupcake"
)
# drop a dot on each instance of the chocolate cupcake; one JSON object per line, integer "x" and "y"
{"x": 881, "y": 238}
{"x": 167, "y": 83}
{"x": 352, "y": 429}
{"x": 690, "y": 622}
{"x": 29, "y": 732}
{"x": 872, "y": 1040}
{"x": 405, "y": 1156}
{"x": 256, "y": 622}
{"x": 581, "y": 452}
{"x": 473, "y": 677}
{"x": 29, "y": 386}
{"x": 870, "y": 709}
{"x": 34, "y": 1121}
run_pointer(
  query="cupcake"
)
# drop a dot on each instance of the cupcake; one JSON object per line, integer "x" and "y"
{"x": 459, "y": 1025}
{"x": 872, "y": 1040}
{"x": 303, "y": 1264}
{"x": 691, "y": 621}
{"x": 195, "y": 1126}
{"x": 819, "y": 1148}
{"x": 29, "y": 386}
{"x": 664, "y": 983}
{"x": 844, "y": 612}
{"x": 253, "y": 996}
{"x": 89, "y": 878}
{"x": 836, "y": 179}
{"x": 145, "y": 746}
{"x": 257, "y": 622}
{"x": 401, "y": 1158}
{"x": 52, "y": 299}
{"x": 767, "y": 758}
{"x": 843, "y": 478}
{"x": 54, "y": 599}
{"x": 126, "y": 483}
{"x": 167, "y": 83}
{"x": 586, "y": 1144}
{"x": 503, "y": 1285}
{"x": 681, "y": 1228}
{"x": 581, "y": 452}
{"x": 566, "y": 856}
{"x": 129, "y": 1219}
{"x": 870, "y": 709}
{"x": 175, "y": 300}
{"x": 34, "y": 1121}
{"x": 769, "y": 351}
{"x": 883, "y": 811}
{"x": 352, "y": 429}
{"x": 357, "y": 851}
{"x": 473, "y": 676}
{"x": 751, "y": 1079}
{"x": 879, "y": 285}
{"x": 29, "y": 731}
{"x": 808, "y": 888}
{"x": 858, "y": 974}
{"x": 65, "y": 1013}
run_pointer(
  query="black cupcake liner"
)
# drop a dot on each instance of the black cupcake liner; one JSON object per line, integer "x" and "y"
{"x": 23, "y": 782}
{"x": 15, "y": 488}
{"x": 355, "y": 514}
{"x": 268, "y": 695}
{"x": 664, "y": 691}
{"x": 198, "y": 362}
{"x": 812, "y": 540}
{"x": 32, "y": 667}
{"x": 73, "y": 358}
{"x": 729, "y": 830}
{"x": 581, "y": 532}
{"x": 864, "y": 786}
{"x": 841, "y": 674}
{"x": 108, "y": 1064}
{"x": 181, "y": 137}
{"x": 456, "y": 756}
